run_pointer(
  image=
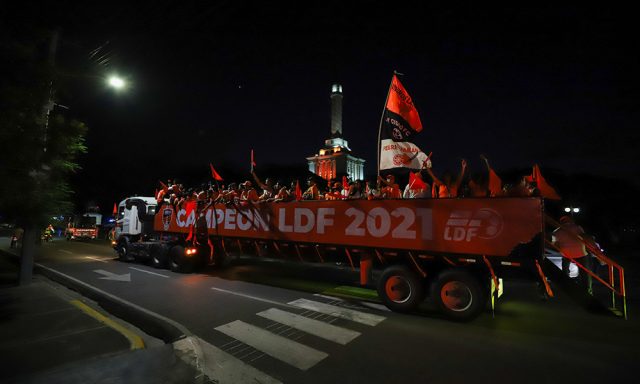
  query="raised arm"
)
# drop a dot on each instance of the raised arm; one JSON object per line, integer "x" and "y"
{"x": 463, "y": 168}
{"x": 435, "y": 179}
{"x": 260, "y": 184}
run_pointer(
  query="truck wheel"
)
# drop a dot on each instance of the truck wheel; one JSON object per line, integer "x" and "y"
{"x": 159, "y": 255}
{"x": 178, "y": 261}
{"x": 458, "y": 295}
{"x": 123, "y": 249}
{"x": 400, "y": 288}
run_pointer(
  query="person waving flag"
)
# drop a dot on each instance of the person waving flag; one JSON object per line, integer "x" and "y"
{"x": 400, "y": 121}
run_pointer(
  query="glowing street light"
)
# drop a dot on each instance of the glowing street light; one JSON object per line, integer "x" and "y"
{"x": 116, "y": 82}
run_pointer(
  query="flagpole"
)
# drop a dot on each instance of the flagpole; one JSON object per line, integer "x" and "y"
{"x": 382, "y": 118}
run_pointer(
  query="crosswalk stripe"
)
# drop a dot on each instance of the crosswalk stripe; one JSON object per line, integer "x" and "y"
{"x": 281, "y": 348}
{"x": 317, "y": 328}
{"x": 221, "y": 367}
{"x": 344, "y": 313}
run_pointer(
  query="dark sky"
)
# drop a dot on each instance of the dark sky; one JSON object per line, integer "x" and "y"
{"x": 548, "y": 84}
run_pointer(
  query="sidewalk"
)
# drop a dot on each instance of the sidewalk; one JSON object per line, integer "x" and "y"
{"x": 49, "y": 334}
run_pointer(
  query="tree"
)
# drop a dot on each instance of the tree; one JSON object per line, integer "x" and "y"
{"x": 38, "y": 148}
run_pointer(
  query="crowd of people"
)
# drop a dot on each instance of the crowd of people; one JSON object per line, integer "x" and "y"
{"x": 422, "y": 184}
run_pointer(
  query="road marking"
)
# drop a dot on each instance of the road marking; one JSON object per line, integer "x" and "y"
{"x": 251, "y": 297}
{"x": 332, "y": 298}
{"x": 97, "y": 259}
{"x": 344, "y": 313}
{"x": 65, "y": 251}
{"x": 281, "y": 348}
{"x": 378, "y": 307}
{"x": 149, "y": 272}
{"x": 135, "y": 340}
{"x": 113, "y": 276}
{"x": 317, "y": 328}
{"x": 221, "y": 367}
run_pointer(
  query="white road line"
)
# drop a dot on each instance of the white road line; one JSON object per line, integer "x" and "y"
{"x": 344, "y": 313}
{"x": 251, "y": 297}
{"x": 332, "y": 298}
{"x": 97, "y": 259}
{"x": 379, "y": 307}
{"x": 281, "y": 348}
{"x": 65, "y": 251}
{"x": 317, "y": 328}
{"x": 149, "y": 272}
{"x": 221, "y": 367}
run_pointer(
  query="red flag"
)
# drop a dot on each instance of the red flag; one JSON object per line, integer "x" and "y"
{"x": 400, "y": 122}
{"x": 253, "y": 162}
{"x": 545, "y": 189}
{"x": 115, "y": 209}
{"x": 415, "y": 182}
{"x": 164, "y": 187}
{"x": 298, "y": 191}
{"x": 495, "y": 183}
{"x": 189, "y": 207}
{"x": 400, "y": 103}
{"x": 215, "y": 174}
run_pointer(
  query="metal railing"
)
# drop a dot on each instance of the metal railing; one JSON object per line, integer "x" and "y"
{"x": 615, "y": 270}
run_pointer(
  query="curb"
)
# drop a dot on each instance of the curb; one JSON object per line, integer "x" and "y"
{"x": 183, "y": 341}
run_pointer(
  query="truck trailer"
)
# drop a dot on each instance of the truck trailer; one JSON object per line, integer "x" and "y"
{"x": 455, "y": 250}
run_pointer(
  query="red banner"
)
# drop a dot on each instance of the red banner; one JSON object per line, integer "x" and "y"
{"x": 488, "y": 226}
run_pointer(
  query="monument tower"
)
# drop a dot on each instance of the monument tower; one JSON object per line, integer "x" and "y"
{"x": 335, "y": 158}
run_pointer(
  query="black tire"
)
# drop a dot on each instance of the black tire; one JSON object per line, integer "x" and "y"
{"x": 458, "y": 294}
{"x": 400, "y": 289}
{"x": 159, "y": 255}
{"x": 123, "y": 249}
{"x": 178, "y": 261}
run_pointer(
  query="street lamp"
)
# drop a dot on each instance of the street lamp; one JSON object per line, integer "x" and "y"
{"x": 116, "y": 82}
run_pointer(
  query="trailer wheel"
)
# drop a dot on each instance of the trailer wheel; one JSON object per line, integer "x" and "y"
{"x": 159, "y": 255}
{"x": 400, "y": 288}
{"x": 458, "y": 295}
{"x": 178, "y": 261}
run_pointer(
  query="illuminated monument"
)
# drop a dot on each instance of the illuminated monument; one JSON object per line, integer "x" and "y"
{"x": 335, "y": 159}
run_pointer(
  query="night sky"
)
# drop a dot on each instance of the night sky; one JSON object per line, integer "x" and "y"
{"x": 548, "y": 84}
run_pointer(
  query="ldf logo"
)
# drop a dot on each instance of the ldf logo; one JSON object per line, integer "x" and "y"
{"x": 465, "y": 225}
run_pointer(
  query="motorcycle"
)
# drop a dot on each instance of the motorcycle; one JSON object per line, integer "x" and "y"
{"x": 47, "y": 236}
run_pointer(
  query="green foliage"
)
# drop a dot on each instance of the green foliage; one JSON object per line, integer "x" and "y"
{"x": 33, "y": 183}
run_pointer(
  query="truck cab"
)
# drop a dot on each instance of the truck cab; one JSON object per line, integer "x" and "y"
{"x": 135, "y": 216}
{"x": 81, "y": 227}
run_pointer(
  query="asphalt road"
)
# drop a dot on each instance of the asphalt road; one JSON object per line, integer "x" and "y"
{"x": 242, "y": 309}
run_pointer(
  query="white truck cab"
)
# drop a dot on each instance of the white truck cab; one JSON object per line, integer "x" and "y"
{"x": 134, "y": 214}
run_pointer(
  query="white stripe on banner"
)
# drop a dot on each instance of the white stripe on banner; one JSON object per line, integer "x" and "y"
{"x": 400, "y": 154}
{"x": 281, "y": 348}
{"x": 344, "y": 313}
{"x": 317, "y": 328}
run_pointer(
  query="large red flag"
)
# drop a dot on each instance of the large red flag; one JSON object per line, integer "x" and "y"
{"x": 495, "y": 183}
{"x": 400, "y": 121}
{"x": 215, "y": 174}
{"x": 546, "y": 191}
